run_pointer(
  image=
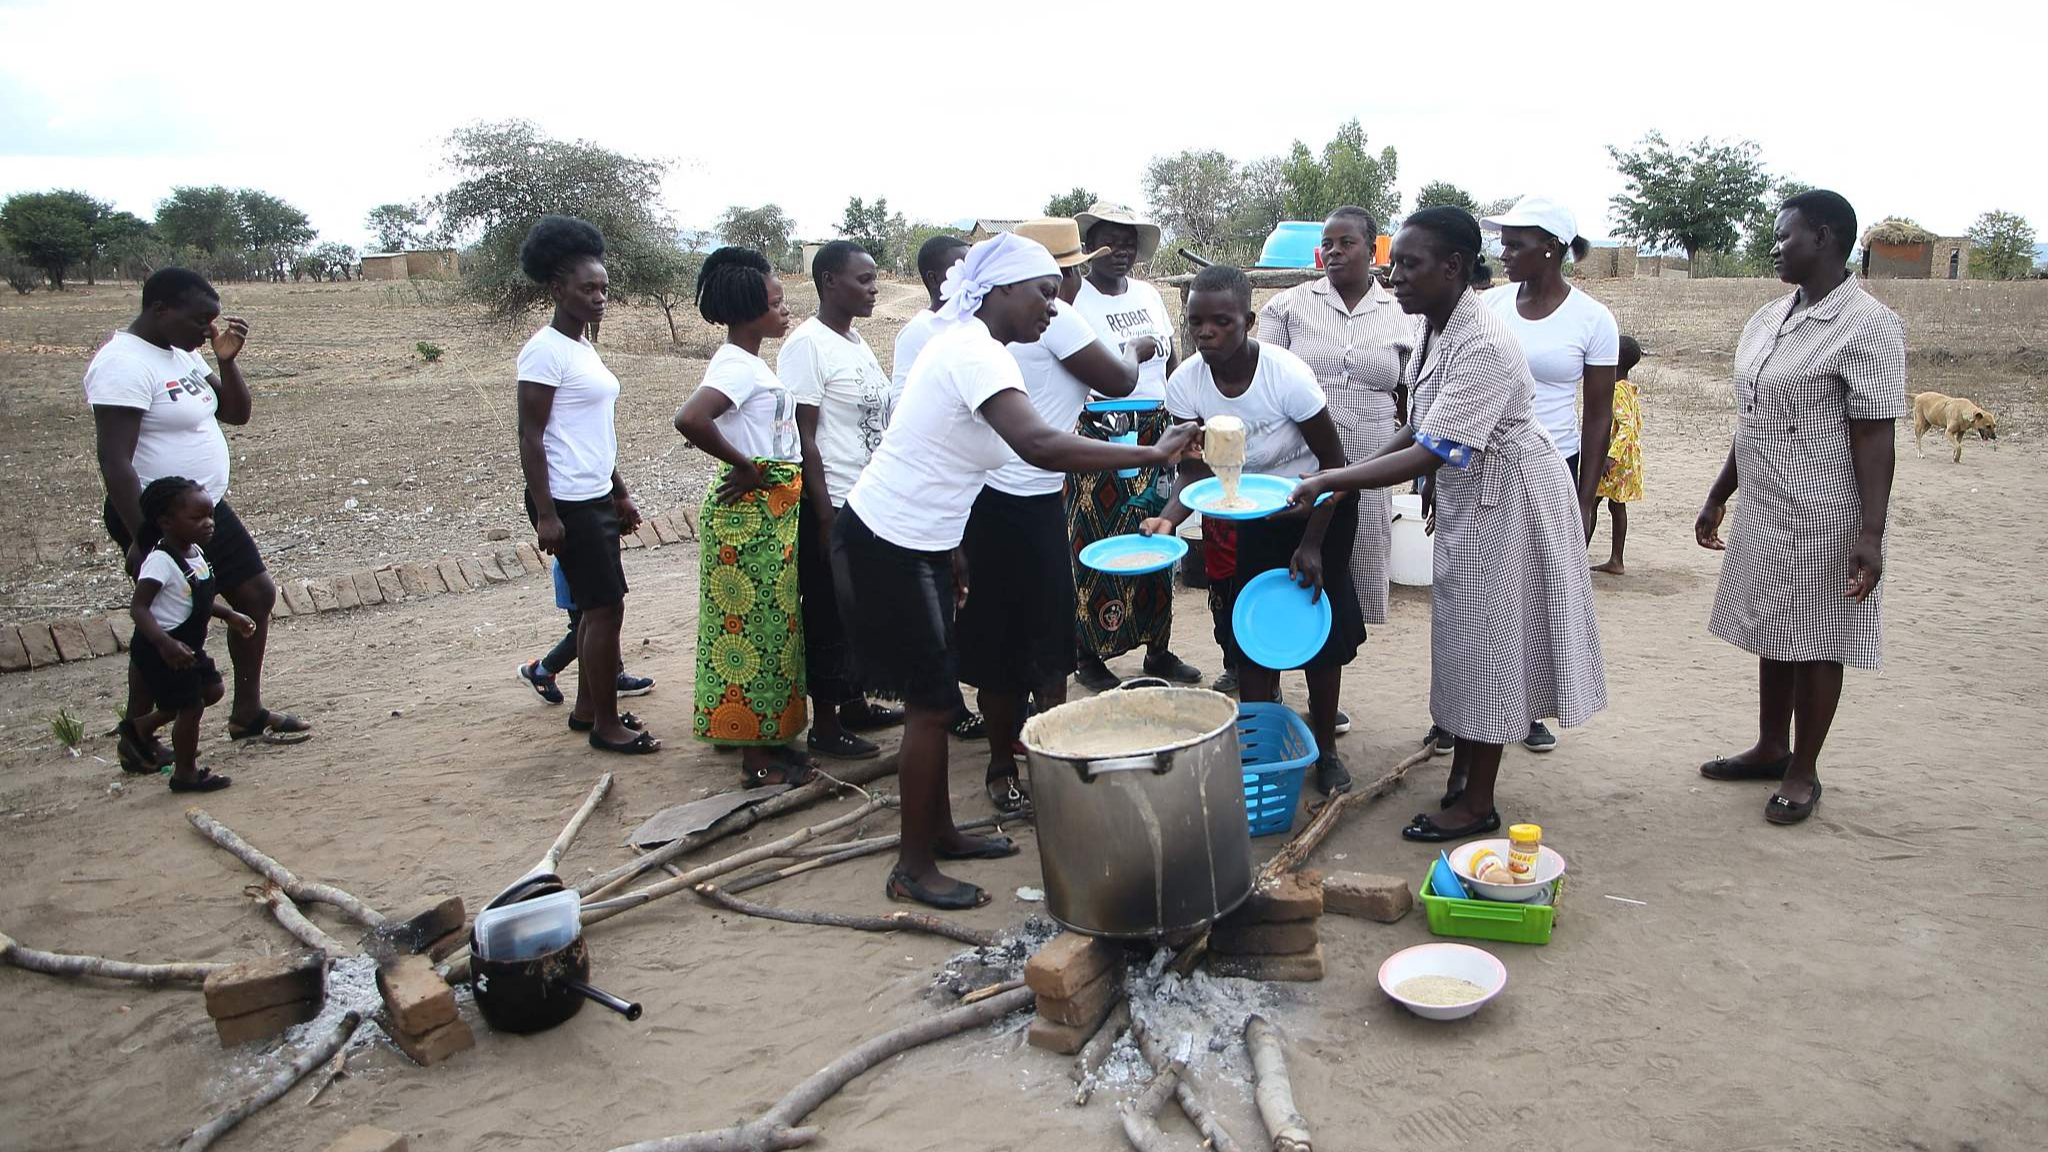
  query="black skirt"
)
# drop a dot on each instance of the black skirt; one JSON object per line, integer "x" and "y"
{"x": 1017, "y": 629}
{"x": 590, "y": 551}
{"x": 896, "y": 604}
{"x": 828, "y": 656}
{"x": 1263, "y": 545}
{"x": 231, "y": 552}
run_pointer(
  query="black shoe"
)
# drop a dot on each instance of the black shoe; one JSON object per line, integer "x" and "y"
{"x": 1427, "y": 830}
{"x": 540, "y": 680}
{"x": 1167, "y": 666}
{"x": 1439, "y": 742}
{"x": 1095, "y": 676}
{"x": 1782, "y": 811}
{"x": 1226, "y": 683}
{"x": 845, "y": 746}
{"x": 968, "y": 725}
{"x": 1539, "y": 739}
{"x": 1726, "y": 769}
{"x": 631, "y": 685}
{"x": 867, "y": 716}
{"x": 1343, "y": 721}
{"x": 1332, "y": 778}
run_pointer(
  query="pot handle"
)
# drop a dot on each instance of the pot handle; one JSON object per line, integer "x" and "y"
{"x": 1158, "y": 763}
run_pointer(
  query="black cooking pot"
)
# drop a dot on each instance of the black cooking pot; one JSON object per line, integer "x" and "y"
{"x": 537, "y": 994}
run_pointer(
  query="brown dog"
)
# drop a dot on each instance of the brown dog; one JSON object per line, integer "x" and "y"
{"x": 1953, "y": 414}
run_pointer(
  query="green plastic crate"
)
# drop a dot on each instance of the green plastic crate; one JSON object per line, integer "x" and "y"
{"x": 1491, "y": 919}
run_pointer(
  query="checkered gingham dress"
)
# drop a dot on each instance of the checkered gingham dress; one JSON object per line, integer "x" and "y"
{"x": 1799, "y": 379}
{"x": 1357, "y": 357}
{"x": 1512, "y": 633}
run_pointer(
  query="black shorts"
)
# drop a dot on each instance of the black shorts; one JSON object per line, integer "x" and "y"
{"x": 897, "y": 605}
{"x": 172, "y": 689}
{"x": 1263, "y": 545}
{"x": 1571, "y": 464}
{"x": 1017, "y": 629}
{"x": 231, "y": 553}
{"x": 590, "y": 551}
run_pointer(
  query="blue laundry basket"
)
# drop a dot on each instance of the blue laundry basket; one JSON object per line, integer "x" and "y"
{"x": 1277, "y": 748}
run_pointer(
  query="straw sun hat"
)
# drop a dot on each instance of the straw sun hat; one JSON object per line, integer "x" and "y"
{"x": 1104, "y": 212}
{"x": 1061, "y": 237}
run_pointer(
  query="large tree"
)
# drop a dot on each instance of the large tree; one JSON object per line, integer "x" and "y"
{"x": 208, "y": 219}
{"x": 511, "y": 174}
{"x": 765, "y": 229}
{"x": 50, "y": 231}
{"x": 1345, "y": 173}
{"x": 874, "y": 229}
{"x": 1442, "y": 194}
{"x": 277, "y": 233}
{"x": 1760, "y": 231}
{"x": 396, "y": 227}
{"x": 1193, "y": 195}
{"x": 1691, "y": 196}
{"x": 2001, "y": 246}
{"x": 1071, "y": 203}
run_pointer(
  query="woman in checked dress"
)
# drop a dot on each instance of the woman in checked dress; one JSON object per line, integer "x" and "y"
{"x": 1512, "y": 633}
{"x": 1820, "y": 377}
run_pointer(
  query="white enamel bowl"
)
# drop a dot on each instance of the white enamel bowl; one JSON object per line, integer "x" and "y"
{"x": 1461, "y": 961}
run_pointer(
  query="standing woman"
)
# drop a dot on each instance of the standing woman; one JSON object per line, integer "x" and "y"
{"x": 568, "y": 452}
{"x": 1572, "y": 345}
{"x": 842, "y": 404}
{"x": 1512, "y": 634}
{"x": 1819, "y": 379}
{"x": 1115, "y": 614}
{"x": 1352, "y": 335}
{"x": 750, "y": 637}
{"x": 1288, "y": 432}
{"x": 895, "y": 545}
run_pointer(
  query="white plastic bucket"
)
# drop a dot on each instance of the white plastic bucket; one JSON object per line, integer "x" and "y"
{"x": 1413, "y": 562}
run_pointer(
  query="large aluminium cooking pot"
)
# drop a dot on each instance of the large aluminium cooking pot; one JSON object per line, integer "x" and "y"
{"x": 1150, "y": 841}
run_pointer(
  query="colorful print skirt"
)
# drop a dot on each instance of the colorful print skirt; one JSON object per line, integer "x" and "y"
{"x": 750, "y": 632}
{"x": 1115, "y": 614}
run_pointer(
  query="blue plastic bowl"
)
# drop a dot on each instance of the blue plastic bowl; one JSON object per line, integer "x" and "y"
{"x": 1277, "y": 749}
{"x": 1293, "y": 244}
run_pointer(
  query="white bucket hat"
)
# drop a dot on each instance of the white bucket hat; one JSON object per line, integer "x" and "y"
{"x": 1104, "y": 212}
{"x": 1537, "y": 212}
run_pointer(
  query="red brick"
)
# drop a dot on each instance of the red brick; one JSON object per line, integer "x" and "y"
{"x": 418, "y": 999}
{"x": 530, "y": 559}
{"x": 473, "y": 572}
{"x": 1295, "y": 896}
{"x": 124, "y": 628}
{"x": 1284, "y": 939}
{"x": 294, "y": 593}
{"x": 493, "y": 571}
{"x": 435, "y": 920}
{"x": 345, "y": 592}
{"x": 1302, "y": 967}
{"x": 508, "y": 559}
{"x": 279, "y": 610}
{"x": 448, "y": 945}
{"x": 264, "y": 1022}
{"x": 1065, "y": 1039}
{"x": 662, "y": 532}
{"x": 1372, "y": 897}
{"x": 69, "y": 637}
{"x": 1069, "y": 962}
{"x": 685, "y": 519}
{"x": 364, "y": 1138}
{"x": 322, "y": 592}
{"x": 451, "y": 574}
{"x": 437, "y": 1045}
{"x": 390, "y": 584}
{"x": 367, "y": 588}
{"x": 632, "y": 540}
{"x": 418, "y": 580}
{"x": 13, "y": 656}
{"x": 42, "y": 651}
{"x": 100, "y": 635}
{"x": 1089, "y": 1004}
{"x": 252, "y": 984}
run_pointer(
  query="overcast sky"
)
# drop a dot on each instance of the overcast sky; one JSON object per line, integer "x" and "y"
{"x": 1929, "y": 110}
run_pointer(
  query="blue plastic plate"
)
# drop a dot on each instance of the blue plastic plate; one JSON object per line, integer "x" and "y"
{"x": 1102, "y": 554}
{"x": 1268, "y": 495}
{"x": 1127, "y": 404}
{"x": 1444, "y": 882}
{"x": 1276, "y": 625}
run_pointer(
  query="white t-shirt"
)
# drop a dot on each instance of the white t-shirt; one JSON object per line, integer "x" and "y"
{"x": 1122, "y": 319}
{"x": 839, "y": 376}
{"x": 1283, "y": 393}
{"x": 179, "y": 436}
{"x": 762, "y": 420}
{"x": 581, "y": 445}
{"x": 1559, "y": 347}
{"x": 917, "y": 332}
{"x": 1057, "y": 394}
{"x": 173, "y": 604}
{"x": 917, "y": 491}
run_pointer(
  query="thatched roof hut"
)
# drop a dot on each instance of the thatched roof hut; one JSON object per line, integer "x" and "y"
{"x": 1898, "y": 230}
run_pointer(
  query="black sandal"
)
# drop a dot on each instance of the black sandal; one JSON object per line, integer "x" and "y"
{"x": 968, "y": 725}
{"x": 959, "y": 898}
{"x": 272, "y": 728}
{"x": 794, "y": 773}
{"x": 206, "y": 781}
{"x": 129, "y": 751}
{"x": 1008, "y": 795}
{"x": 626, "y": 718}
{"x": 845, "y": 746}
{"x": 1728, "y": 769}
{"x": 641, "y": 744}
{"x": 1428, "y": 831}
{"x": 985, "y": 848}
{"x": 870, "y": 717}
{"x": 1782, "y": 811}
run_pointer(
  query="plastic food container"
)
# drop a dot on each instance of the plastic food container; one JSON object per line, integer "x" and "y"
{"x": 530, "y": 928}
{"x": 1491, "y": 919}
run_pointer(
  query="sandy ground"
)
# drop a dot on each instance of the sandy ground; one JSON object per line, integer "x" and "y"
{"x": 1869, "y": 980}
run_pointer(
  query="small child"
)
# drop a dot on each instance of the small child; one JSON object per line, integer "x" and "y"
{"x": 540, "y": 674}
{"x": 1622, "y": 482}
{"x": 174, "y": 600}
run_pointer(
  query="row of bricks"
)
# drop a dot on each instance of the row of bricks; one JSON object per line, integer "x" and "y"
{"x": 84, "y": 637}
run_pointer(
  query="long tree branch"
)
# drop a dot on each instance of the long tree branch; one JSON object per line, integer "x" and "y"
{"x": 888, "y": 922}
{"x": 14, "y": 952}
{"x": 553, "y": 859}
{"x": 1297, "y": 850}
{"x": 203, "y": 1136}
{"x": 303, "y": 891}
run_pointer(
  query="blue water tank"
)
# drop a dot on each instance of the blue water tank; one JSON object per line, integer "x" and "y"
{"x": 1293, "y": 244}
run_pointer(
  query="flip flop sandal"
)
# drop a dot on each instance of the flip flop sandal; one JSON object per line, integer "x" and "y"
{"x": 845, "y": 746}
{"x": 641, "y": 744}
{"x": 970, "y": 726}
{"x": 1428, "y": 831}
{"x": 985, "y": 848}
{"x": 272, "y": 728}
{"x": 1726, "y": 769}
{"x": 960, "y": 897}
{"x": 875, "y": 716}
{"x": 1008, "y": 796}
{"x": 1332, "y": 778}
{"x": 129, "y": 751}
{"x": 626, "y": 718}
{"x": 1782, "y": 811}
{"x": 206, "y": 781}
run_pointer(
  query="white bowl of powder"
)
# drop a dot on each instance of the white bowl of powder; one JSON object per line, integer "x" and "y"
{"x": 1443, "y": 981}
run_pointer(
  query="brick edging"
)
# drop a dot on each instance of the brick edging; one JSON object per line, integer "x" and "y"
{"x": 72, "y": 638}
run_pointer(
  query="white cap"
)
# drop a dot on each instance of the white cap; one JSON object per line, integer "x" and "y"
{"x": 1537, "y": 212}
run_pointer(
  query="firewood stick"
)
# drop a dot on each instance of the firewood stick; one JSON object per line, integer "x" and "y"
{"x": 1297, "y": 850}
{"x": 294, "y": 921}
{"x": 1272, "y": 1089}
{"x": 1097, "y": 1050}
{"x": 825, "y": 855}
{"x": 1191, "y": 1103}
{"x": 606, "y": 909}
{"x": 889, "y": 922}
{"x": 776, "y": 1129}
{"x": 980, "y": 994}
{"x": 303, "y": 891}
{"x": 203, "y": 1136}
{"x": 865, "y": 772}
{"x": 1141, "y": 1126}
{"x": 66, "y": 964}
{"x": 553, "y": 858}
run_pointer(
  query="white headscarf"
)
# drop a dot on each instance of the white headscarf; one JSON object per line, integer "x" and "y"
{"x": 1004, "y": 258}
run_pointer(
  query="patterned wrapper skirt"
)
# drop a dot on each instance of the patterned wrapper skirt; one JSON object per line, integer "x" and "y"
{"x": 1115, "y": 614}
{"x": 750, "y": 635}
